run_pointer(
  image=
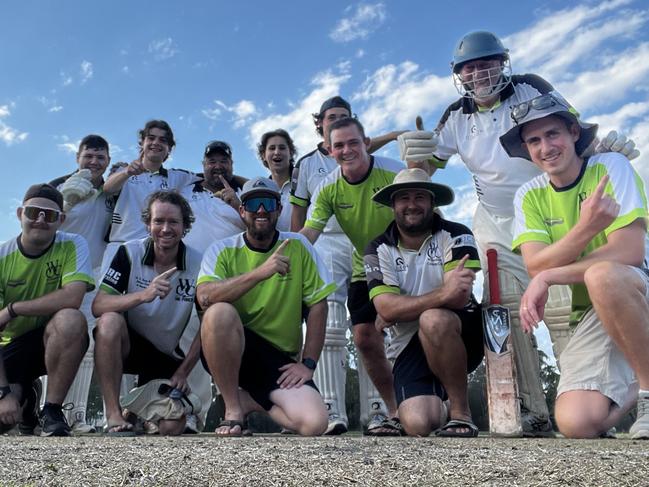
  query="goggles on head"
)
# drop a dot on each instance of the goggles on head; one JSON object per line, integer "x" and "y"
{"x": 34, "y": 212}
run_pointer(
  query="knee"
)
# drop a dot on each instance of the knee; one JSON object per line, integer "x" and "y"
{"x": 109, "y": 327}
{"x": 219, "y": 318}
{"x": 603, "y": 279}
{"x": 438, "y": 324}
{"x": 575, "y": 421}
{"x": 416, "y": 424}
{"x": 68, "y": 324}
{"x": 314, "y": 423}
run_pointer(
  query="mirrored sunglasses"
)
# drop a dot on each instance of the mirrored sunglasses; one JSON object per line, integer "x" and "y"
{"x": 542, "y": 102}
{"x": 34, "y": 212}
{"x": 252, "y": 204}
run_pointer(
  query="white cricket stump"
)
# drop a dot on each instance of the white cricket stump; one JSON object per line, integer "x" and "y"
{"x": 369, "y": 397}
{"x": 330, "y": 375}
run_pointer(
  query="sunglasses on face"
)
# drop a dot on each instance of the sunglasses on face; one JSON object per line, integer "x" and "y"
{"x": 34, "y": 212}
{"x": 539, "y": 103}
{"x": 253, "y": 204}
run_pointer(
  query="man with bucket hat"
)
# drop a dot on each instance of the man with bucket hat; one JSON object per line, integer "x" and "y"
{"x": 583, "y": 223}
{"x": 420, "y": 274}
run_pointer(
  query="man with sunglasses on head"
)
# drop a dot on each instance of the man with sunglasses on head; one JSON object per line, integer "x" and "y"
{"x": 44, "y": 275}
{"x": 583, "y": 222}
{"x": 252, "y": 288}
{"x": 470, "y": 128}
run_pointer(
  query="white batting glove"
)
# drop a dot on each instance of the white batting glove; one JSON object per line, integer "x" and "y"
{"x": 615, "y": 142}
{"x": 77, "y": 188}
{"x": 417, "y": 145}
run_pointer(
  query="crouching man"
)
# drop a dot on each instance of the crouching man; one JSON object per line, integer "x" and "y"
{"x": 252, "y": 287}
{"x": 583, "y": 223}
{"x": 420, "y": 276}
{"x": 143, "y": 307}
{"x": 44, "y": 275}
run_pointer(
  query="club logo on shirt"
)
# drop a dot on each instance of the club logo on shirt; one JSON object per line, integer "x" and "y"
{"x": 164, "y": 184}
{"x": 465, "y": 240}
{"x": 400, "y": 264}
{"x": 433, "y": 254}
{"x": 474, "y": 132}
{"x": 185, "y": 290}
{"x": 112, "y": 276}
{"x": 345, "y": 206}
{"x": 553, "y": 221}
{"x": 53, "y": 270}
{"x": 16, "y": 283}
{"x": 323, "y": 171}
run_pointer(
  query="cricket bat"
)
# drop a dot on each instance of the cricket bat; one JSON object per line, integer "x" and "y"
{"x": 502, "y": 389}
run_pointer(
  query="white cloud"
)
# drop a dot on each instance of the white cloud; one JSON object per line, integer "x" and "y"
{"x": 55, "y": 108}
{"x": 125, "y": 69}
{"x": 68, "y": 147}
{"x": 66, "y": 80}
{"x": 359, "y": 23}
{"x": 298, "y": 120}
{"x": 86, "y": 71}
{"x": 163, "y": 49}
{"x": 9, "y": 135}
{"x": 242, "y": 112}
{"x": 462, "y": 209}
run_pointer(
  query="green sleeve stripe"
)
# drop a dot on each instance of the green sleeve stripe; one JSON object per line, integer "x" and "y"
{"x": 79, "y": 276}
{"x": 384, "y": 289}
{"x": 107, "y": 289}
{"x": 625, "y": 220}
{"x": 531, "y": 236}
{"x": 316, "y": 225}
{"x": 321, "y": 294}
{"x": 469, "y": 264}
{"x": 203, "y": 279}
{"x": 296, "y": 200}
{"x": 438, "y": 163}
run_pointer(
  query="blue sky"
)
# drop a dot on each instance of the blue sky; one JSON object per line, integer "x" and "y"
{"x": 232, "y": 70}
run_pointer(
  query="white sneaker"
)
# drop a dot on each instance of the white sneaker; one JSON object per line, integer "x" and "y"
{"x": 336, "y": 425}
{"x": 640, "y": 429}
{"x": 82, "y": 428}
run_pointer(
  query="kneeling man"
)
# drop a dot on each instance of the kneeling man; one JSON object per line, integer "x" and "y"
{"x": 420, "y": 274}
{"x": 253, "y": 287}
{"x": 583, "y": 223}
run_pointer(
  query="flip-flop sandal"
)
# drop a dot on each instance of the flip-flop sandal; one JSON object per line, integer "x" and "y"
{"x": 230, "y": 423}
{"x": 387, "y": 427}
{"x": 449, "y": 430}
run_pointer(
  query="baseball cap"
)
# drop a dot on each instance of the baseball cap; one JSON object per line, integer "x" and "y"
{"x": 218, "y": 146}
{"x": 541, "y": 107}
{"x": 259, "y": 185}
{"x": 415, "y": 178}
{"x": 334, "y": 102}
{"x": 46, "y": 191}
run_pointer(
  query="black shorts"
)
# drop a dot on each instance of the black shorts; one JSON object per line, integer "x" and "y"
{"x": 412, "y": 376}
{"x": 260, "y": 365}
{"x": 146, "y": 361}
{"x": 360, "y": 307}
{"x": 24, "y": 357}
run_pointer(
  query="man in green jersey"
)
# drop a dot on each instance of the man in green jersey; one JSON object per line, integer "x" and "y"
{"x": 346, "y": 193}
{"x": 44, "y": 275}
{"x": 583, "y": 223}
{"x": 253, "y": 287}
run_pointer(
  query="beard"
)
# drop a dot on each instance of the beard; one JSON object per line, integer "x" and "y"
{"x": 423, "y": 225}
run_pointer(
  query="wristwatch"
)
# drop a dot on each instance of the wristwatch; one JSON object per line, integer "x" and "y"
{"x": 309, "y": 363}
{"x": 4, "y": 391}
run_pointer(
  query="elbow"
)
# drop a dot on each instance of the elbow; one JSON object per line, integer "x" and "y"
{"x": 387, "y": 313}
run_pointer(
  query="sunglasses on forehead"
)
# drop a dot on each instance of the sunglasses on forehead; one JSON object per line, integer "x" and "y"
{"x": 539, "y": 103}
{"x": 253, "y": 204}
{"x": 34, "y": 212}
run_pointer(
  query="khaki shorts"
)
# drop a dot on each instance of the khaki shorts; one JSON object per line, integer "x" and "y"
{"x": 592, "y": 362}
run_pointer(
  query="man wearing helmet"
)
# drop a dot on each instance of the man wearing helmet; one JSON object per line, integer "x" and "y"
{"x": 470, "y": 127}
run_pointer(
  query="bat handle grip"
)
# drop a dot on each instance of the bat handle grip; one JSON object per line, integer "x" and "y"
{"x": 494, "y": 283}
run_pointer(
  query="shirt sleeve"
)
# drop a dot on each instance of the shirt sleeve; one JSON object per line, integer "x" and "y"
{"x": 116, "y": 278}
{"x": 76, "y": 266}
{"x": 317, "y": 282}
{"x": 213, "y": 266}
{"x": 627, "y": 188}
{"x": 299, "y": 188}
{"x": 529, "y": 225}
{"x": 460, "y": 243}
{"x": 322, "y": 207}
{"x": 380, "y": 270}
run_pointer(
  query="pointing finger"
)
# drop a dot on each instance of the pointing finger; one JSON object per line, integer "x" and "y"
{"x": 463, "y": 260}
{"x": 224, "y": 182}
{"x": 282, "y": 246}
{"x": 599, "y": 191}
{"x": 167, "y": 274}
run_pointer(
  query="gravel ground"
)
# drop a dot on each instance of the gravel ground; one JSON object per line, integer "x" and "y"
{"x": 346, "y": 460}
